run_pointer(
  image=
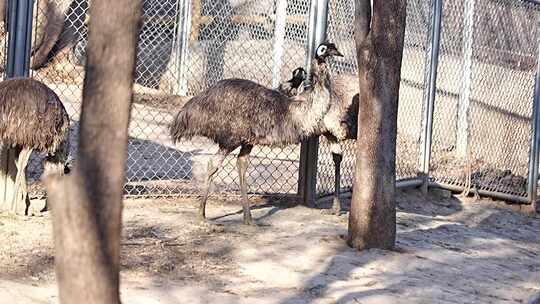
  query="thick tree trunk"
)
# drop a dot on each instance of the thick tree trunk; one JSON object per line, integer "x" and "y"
{"x": 87, "y": 204}
{"x": 372, "y": 220}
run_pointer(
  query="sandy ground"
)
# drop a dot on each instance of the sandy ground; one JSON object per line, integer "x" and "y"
{"x": 448, "y": 251}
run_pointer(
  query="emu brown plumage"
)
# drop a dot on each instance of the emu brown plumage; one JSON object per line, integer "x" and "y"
{"x": 241, "y": 113}
{"x": 32, "y": 117}
{"x": 340, "y": 124}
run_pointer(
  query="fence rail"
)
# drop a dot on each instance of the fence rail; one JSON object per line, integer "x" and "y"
{"x": 468, "y": 115}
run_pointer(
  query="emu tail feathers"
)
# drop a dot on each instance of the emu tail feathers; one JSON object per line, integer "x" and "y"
{"x": 180, "y": 125}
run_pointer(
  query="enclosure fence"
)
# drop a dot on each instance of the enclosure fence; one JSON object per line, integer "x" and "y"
{"x": 468, "y": 109}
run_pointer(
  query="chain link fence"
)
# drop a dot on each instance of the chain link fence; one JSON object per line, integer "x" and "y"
{"x": 482, "y": 120}
{"x": 184, "y": 47}
{"x": 483, "y": 104}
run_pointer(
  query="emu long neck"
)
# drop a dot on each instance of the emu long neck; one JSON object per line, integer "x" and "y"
{"x": 320, "y": 74}
{"x": 309, "y": 113}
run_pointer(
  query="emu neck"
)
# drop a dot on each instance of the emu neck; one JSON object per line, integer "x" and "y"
{"x": 320, "y": 74}
{"x": 314, "y": 103}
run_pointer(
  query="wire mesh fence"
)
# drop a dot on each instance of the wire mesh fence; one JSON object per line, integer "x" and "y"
{"x": 482, "y": 119}
{"x": 485, "y": 84}
{"x": 184, "y": 47}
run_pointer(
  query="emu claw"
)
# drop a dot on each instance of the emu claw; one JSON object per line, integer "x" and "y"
{"x": 335, "y": 210}
{"x": 249, "y": 221}
{"x": 202, "y": 219}
{"x": 332, "y": 211}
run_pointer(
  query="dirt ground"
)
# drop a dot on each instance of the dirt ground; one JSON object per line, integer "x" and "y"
{"x": 448, "y": 251}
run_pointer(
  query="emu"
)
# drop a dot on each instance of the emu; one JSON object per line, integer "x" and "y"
{"x": 32, "y": 117}
{"x": 339, "y": 124}
{"x": 241, "y": 113}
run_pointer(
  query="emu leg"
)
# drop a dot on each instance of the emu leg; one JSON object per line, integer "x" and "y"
{"x": 243, "y": 162}
{"x": 336, "y": 202}
{"x": 20, "y": 196}
{"x": 213, "y": 167}
{"x": 337, "y": 156}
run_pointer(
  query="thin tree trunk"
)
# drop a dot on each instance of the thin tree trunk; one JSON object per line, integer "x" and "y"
{"x": 87, "y": 204}
{"x": 379, "y": 46}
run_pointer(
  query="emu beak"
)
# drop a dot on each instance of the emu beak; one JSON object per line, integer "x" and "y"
{"x": 335, "y": 52}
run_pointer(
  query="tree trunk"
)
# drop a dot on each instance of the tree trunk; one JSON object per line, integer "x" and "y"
{"x": 87, "y": 204}
{"x": 379, "y": 46}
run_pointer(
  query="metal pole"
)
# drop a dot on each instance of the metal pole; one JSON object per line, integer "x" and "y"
{"x": 535, "y": 139}
{"x": 183, "y": 34}
{"x": 279, "y": 41}
{"x": 309, "y": 149}
{"x": 430, "y": 101}
{"x": 312, "y": 23}
{"x": 318, "y": 22}
{"x": 463, "y": 117}
{"x": 322, "y": 23}
{"x": 20, "y": 38}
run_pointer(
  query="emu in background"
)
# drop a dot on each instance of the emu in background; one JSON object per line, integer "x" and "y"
{"x": 32, "y": 117}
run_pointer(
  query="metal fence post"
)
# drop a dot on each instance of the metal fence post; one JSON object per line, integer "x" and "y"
{"x": 20, "y": 37}
{"x": 429, "y": 99}
{"x": 307, "y": 178}
{"x": 183, "y": 33}
{"x": 279, "y": 41}
{"x": 532, "y": 186}
{"x": 463, "y": 115}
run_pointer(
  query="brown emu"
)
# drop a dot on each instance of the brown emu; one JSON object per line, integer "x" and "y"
{"x": 32, "y": 117}
{"x": 241, "y": 113}
{"x": 339, "y": 124}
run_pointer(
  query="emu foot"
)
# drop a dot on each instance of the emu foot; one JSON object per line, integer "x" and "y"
{"x": 248, "y": 220}
{"x": 202, "y": 218}
{"x": 335, "y": 210}
{"x": 45, "y": 208}
{"x": 331, "y": 211}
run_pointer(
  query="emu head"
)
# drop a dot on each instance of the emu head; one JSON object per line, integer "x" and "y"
{"x": 326, "y": 50}
{"x": 299, "y": 75}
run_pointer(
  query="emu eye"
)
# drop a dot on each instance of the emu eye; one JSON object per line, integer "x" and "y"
{"x": 321, "y": 50}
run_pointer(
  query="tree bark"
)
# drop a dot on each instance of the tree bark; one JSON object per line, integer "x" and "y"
{"x": 379, "y": 44}
{"x": 87, "y": 204}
